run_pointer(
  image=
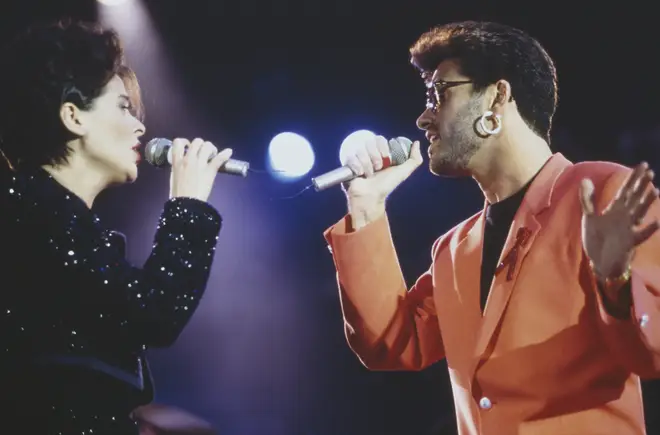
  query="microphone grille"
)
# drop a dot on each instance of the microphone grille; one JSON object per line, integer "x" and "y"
{"x": 156, "y": 150}
{"x": 400, "y": 149}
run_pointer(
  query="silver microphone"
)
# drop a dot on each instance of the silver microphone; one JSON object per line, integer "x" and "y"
{"x": 399, "y": 150}
{"x": 158, "y": 152}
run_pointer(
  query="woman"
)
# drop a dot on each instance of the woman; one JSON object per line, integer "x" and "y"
{"x": 76, "y": 316}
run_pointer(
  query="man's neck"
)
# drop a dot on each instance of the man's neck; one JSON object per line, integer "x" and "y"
{"x": 77, "y": 177}
{"x": 506, "y": 167}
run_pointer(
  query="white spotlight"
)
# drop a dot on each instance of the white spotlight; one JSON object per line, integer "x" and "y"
{"x": 290, "y": 155}
{"x": 352, "y": 141}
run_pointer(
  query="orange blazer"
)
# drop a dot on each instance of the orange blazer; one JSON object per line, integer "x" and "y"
{"x": 545, "y": 358}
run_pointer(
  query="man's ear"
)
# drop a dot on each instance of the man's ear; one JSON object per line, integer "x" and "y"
{"x": 502, "y": 96}
{"x": 73, "y": 119}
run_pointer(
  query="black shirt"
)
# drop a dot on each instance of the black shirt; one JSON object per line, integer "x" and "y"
{"x": 499, "y": 217}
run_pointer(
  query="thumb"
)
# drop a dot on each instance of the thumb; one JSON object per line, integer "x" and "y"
{"x": 414, "y": 160}
{"x": 587, "y": 196}
{"x": 415, "y": 154}
{"x": 395, "y": 175}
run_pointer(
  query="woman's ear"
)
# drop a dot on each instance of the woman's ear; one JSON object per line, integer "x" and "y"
{"x": 73, "y": 119}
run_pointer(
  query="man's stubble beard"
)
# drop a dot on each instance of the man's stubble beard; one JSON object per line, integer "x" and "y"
{"x": 461, "y": 143}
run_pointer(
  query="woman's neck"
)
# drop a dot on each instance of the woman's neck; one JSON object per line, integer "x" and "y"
{"x": 77, "y": 177}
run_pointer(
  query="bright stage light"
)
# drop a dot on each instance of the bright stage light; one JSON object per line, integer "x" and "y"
{"x": 290, "y": 156}
{"x": 352, "y": 141}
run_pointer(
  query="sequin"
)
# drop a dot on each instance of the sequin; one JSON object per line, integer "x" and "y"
{"x": 70, "y": 297}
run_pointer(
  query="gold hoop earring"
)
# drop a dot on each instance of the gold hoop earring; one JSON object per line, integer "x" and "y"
{"x": 497, "y": 120}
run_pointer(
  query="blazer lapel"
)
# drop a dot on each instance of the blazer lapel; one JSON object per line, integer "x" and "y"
{"x": 468, "y": 264}
{"x": 521, "y": 237}
{"x": 522, "y": 234}
{"x": 467, "y": 273}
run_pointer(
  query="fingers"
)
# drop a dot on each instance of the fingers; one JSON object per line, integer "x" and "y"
{"x": 193, "y": 149}
{"x": 179, "y": 147}
{"x": 587, "y": 196}
{"x": 375, "y": 159}
{"x": 369, "y": 157}
{"x": 207, "y": 152}
{"x": 365, "y": 161}
{"x": 183, "y": 150}
{"x": 632, "y": 180}
{"x": 221, "y": 158}
{"x": 200, "y": 151}
{"x": 641, "y": 207}
{"x": 645, "y": 233}
{"x": 638, "y": 190}
{"x": 355, "y": 165}
{"x": 383, "y": 150}
{"x": 195, "y": 167}
{"x": 397, "y": 174}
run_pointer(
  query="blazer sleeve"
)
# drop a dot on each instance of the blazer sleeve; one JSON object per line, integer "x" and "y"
{"x": 635, "y": 339}
{"x": 150, "y": 304}
{"x": 387, "y": 326}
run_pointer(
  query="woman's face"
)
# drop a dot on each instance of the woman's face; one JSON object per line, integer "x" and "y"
{"x": 111, "y": 134}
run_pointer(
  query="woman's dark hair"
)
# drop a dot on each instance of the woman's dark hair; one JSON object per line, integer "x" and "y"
{"x": 45, "y": 67}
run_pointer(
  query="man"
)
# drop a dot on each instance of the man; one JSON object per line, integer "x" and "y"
{"x": 544, "y": 302}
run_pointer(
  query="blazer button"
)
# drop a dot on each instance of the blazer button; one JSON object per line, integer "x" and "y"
{"x": 485, "y": 403}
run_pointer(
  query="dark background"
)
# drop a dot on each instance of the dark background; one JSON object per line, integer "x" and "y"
{"x": 265, "y": 353}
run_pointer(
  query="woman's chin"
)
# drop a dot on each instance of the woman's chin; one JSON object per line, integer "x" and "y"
{"x": 130, "y": 175}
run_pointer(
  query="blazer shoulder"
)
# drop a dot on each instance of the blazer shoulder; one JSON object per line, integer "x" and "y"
{"x": 595, "y": 170}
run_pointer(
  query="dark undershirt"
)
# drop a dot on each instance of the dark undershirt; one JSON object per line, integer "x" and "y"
{"x": 499, "y": 217}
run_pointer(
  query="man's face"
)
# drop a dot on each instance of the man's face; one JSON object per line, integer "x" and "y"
{"x": 453, "y": 109}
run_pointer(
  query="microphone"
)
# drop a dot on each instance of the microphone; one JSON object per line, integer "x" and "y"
{"x": 399, "y": 150}
{"x": 158, "y": 152}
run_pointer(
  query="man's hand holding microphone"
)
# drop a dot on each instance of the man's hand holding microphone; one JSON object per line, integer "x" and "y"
{"x": 376, "y": 179}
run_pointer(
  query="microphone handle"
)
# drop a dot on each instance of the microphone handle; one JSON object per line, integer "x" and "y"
{"x": 231, "y": 166}
{"x": 399, "y": 153}
{"x": 333, "y": 178}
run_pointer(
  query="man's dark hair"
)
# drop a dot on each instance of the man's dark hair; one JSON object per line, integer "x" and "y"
{"x": 487, "y": 52}
{"x": 45, "y": 67}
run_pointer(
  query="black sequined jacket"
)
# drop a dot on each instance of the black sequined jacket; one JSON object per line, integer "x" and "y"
{"x": 68, "y": 296}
